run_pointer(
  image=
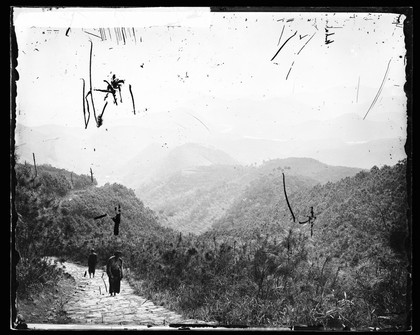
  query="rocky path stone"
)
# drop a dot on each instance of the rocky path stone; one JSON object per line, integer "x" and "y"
{"x": 92, "y": 304}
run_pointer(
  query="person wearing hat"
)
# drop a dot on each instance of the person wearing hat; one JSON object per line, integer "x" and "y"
{"x": 92, "y": 260}
{"x": 114, "y": 270}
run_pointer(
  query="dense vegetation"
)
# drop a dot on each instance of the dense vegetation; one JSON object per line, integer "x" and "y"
{"x": 356, "y": 256}
{"x": 55, "y": 211}
{"x": 198, "y": 197}
{"x": 256, "y": 266}
{"x": 202, "y": 195}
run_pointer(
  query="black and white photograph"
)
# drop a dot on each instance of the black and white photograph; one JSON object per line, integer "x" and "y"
{"x": 211, "y": 168}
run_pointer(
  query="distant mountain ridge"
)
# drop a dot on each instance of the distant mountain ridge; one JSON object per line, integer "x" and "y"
{"x": 379, "y": 152}
{"x": 311, "y": 168}
{"x": 130, "y": 154}
{"x": 157, "y": 163}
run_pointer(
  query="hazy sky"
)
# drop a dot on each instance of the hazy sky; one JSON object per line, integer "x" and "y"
{"x": 202, "y": 73}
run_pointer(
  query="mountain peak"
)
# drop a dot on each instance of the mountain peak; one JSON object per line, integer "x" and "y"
{"x": 195, "y": 154}
{"x": 154, "y": 163}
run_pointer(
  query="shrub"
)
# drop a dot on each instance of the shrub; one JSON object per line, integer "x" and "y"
{"x": 32, "y": 273}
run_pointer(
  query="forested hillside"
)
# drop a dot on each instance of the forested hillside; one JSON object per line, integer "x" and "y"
{"x": 197, "y": 196}
{"x": 255, "y": 266}
{"x": 262, "y": 208}
{"x": 56, "y": 211}
{"x": 200, "y": 196}
{"x": 353, "y": 268}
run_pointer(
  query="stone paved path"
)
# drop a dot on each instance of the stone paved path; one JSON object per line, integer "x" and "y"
{"x": 92, "y": 304}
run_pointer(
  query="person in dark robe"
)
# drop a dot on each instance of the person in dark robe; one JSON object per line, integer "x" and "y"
{"x": 114, "y": 270}
{"x": 92, "y": 260}
{"x": 117, "y": 220}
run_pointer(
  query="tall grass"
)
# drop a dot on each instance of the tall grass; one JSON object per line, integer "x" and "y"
{"x": 33, "y": 273}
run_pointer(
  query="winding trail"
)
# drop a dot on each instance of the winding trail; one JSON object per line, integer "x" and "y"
{"x": 92, "y": 304}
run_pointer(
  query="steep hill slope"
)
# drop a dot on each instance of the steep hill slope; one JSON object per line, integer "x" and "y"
{"x": 362, "y": 206}
{"x": 57, "y": 209}
{"x": 262, "y": 208}
{"x": 356, "y": 256}
{"x": 353, "y": 269}
{"x": 192, "y": 200}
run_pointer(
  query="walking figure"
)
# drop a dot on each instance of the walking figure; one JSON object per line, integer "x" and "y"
{"x": 92, "y": 260}
{"x": 114, "y": 270}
